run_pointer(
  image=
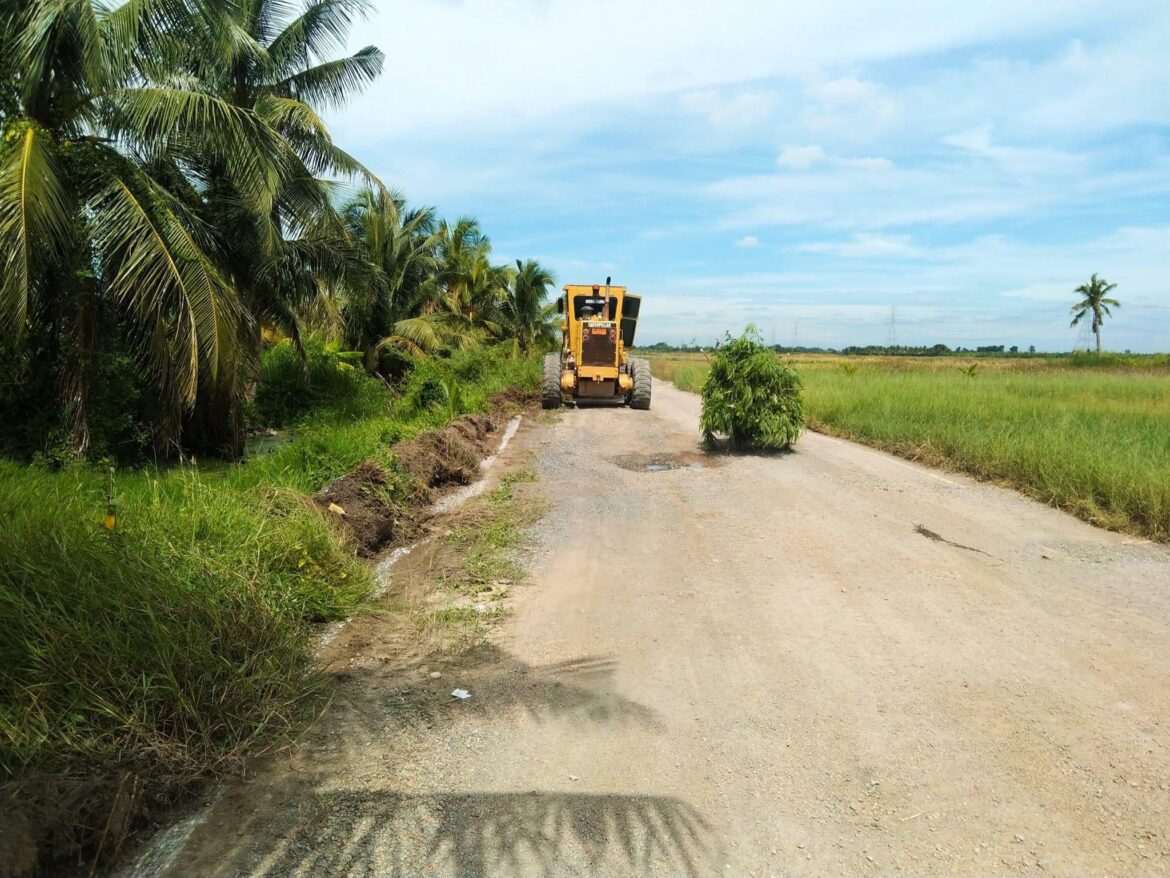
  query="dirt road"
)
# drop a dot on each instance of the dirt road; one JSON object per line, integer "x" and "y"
{"x": 824, "y": 663}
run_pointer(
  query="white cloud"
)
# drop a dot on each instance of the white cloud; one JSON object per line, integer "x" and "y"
{"x": 739, "y": 110}
{"x": 845, "y": 90}
{"x": 462, "y": 66}
{"x": 800, "y": 157}
{"x": 865, "y": 246}
{"x": 748, "y": 241}
{"x": 978, "y": 141}
{"x": 848, "y": 105}
{"x": 968, "y": 191}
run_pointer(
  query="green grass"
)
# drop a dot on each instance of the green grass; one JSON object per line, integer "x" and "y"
{"x": 180, "y": 642}
{"x": 487, "y": 540}
{"x": 478, "y": 563}
{"x": 1089, "y": 436}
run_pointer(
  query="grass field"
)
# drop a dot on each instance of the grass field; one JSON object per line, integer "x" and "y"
{"x": 1088, "y": 436}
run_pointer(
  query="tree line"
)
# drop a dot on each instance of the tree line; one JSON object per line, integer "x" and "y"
{"x": 1094, "y": 303}
{"x": 170, "y": 199}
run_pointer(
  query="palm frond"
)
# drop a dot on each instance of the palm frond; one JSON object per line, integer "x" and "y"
{"x": 159, "y": 117}
{"x": 184, "y": 311}
{"x": 63, "y": 52}
{"x": 318, "y": 31}
{"x": 331, "y": 84}
{"x": 422, "y": 334}
{"x": 289, "y": 115}
{"x": 36, "y": 215}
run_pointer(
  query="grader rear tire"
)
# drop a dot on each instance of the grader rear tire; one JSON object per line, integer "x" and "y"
{"x": 550, "y": 385}
{"x": 640, "y": 395}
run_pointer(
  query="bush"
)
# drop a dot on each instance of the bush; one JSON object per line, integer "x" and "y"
{"x": 441, "y": 389}
{"x": 324, "y": 381}
{"x": 179, "y": 643}
{"x": 751, "y": 397}
{"x": 34, "y": 424}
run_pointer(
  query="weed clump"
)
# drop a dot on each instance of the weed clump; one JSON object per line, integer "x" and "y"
{"x": 751, "y": 397}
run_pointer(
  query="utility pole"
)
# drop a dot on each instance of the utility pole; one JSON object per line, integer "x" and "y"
{"x": 892, "y": 334}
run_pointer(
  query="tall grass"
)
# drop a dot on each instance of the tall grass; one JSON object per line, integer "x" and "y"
{"x": 174, "y": 640}
{"x": 1092, "y": 440}
{"x": 179, "y": 642}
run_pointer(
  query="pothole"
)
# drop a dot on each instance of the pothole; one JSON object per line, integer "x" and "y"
{"x": 656, "y": 463}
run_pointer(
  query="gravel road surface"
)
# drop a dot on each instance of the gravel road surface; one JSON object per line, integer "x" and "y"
{"x": 829, "y": 662}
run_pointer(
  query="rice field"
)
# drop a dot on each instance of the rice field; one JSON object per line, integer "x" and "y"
{"x": 1091, "y": 437}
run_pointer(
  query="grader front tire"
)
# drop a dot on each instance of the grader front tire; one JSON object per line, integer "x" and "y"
{"x": 550, "y": 385}
{"x": 640, "y": 395}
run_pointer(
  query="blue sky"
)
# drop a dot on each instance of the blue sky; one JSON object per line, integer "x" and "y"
{"x": 804, "y": 167}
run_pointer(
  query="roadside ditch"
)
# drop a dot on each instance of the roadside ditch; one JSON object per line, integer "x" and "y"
{"x": 443, "y": 561}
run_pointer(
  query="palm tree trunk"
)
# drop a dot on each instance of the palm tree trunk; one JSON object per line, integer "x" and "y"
{"x": 1098, "y": 332}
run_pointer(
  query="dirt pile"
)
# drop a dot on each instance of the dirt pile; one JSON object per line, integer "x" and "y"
{"x": 450, "y": 456}
{"x": 363, "y": 502}
{"x": 513, "y": 400}
{"x": 360, "y": 500}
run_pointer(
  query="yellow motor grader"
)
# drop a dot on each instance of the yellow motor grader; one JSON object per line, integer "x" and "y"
{"x": 597, "y": 331}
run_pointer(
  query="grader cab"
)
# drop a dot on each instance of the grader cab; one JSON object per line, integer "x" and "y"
{"x": 597, "y": 331}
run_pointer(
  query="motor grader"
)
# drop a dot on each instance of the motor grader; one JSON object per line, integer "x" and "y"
{"x": 597, "y": 331}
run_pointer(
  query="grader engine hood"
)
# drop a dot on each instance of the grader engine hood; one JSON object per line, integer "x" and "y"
{"x": 599, "y": 345}
{"x": 588, "y": 310}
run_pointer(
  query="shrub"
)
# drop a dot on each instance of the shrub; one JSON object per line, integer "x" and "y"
{"x": 324, "y": 381}
{"x": 751, "y": 397}
{"x": 34, "y": 425}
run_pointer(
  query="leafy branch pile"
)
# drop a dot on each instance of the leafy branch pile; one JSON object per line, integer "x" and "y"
{"x": 751, "y": 397}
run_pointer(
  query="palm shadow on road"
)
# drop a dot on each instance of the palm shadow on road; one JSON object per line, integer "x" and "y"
{"x": 390, "y": 833}
{"x": 296, "y": 818}
{"x": 503, "y": 686}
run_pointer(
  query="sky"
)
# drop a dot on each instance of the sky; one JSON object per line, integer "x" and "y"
{"x": 835, "y": 172}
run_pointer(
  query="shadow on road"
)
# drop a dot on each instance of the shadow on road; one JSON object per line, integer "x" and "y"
{"x": 303, "y": 815}
{"x": 389, "y": 833}
{"x": 502, "y": 685}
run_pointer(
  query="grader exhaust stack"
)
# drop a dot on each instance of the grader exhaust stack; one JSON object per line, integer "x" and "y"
{"x": 597, "y": 331}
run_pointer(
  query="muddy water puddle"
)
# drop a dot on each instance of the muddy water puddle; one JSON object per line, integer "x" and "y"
{"x": 656, "y": 463}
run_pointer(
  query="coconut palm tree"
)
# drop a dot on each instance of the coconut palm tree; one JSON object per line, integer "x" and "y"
{"x": 467, "y": 312}
{"x": 384, "y": 309}
{"x": 528, "y": 317}
{"x": 159, "y": 178}
{"x": 265, "y": 57}
{"x": 96, "y": 223}
{"x": 1094, "y": 301}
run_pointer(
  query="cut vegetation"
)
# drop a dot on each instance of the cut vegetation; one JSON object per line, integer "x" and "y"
{"x": 750, "y": 397}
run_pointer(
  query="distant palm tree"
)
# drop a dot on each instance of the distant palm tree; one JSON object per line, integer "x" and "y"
{"x": 527, "y": 314}
{"x": 1094, "y": 302}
